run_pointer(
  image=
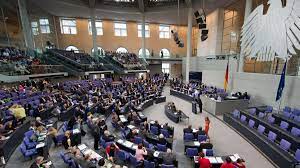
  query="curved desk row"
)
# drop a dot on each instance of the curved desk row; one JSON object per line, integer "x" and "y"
{"x": 181, "y": 95}
{"x": 171, "y": 115}
{"x": 8, "y": 146}
{"x": 281, "y": 134}
{"x": 273, "y": 151}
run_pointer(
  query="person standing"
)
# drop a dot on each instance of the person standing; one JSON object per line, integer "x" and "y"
{"x": 207, "y": 125}
{"x": 199, "y": 101}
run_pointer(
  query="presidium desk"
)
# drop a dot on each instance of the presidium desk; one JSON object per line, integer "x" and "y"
{"x": 216, "y": 107}
{"x": 213, "y": 106}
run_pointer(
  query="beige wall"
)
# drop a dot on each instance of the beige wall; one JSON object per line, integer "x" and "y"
{"x": 108, "y": 41}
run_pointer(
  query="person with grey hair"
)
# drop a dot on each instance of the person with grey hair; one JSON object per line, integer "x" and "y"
{"x": 168, "y": 157}
{"x": 39, "y": 162}
{"x": 162, "y": 140}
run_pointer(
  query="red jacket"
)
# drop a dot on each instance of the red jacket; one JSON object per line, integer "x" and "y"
{"x": 227, "y": 165}
{"x": 204, "y": 163}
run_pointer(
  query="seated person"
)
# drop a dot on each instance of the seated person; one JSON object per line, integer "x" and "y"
{"x": 130, "y": 136}
{"x": 111, "y": 152}
{"x": 201, "y": 131}
{"x": 140, "y": 152}
{"x": 52, "y": 132}
{"x": 228, "y": 163}
{"x": 188, "y": 129}
{"x": 39, "y": 163}
{"x": 115, "y": 118}
{"x": 156, "y": 124}
{"x": 162, "y": 140}
{"x": 107, "y": 137}
{"x": 67, "y": 140}
{"x": 143, "y": 133}
{"x": 38, "y": 122}
{"x": 145, "y": 125}
{"x": 203, "y": 162}
{"x": 240, "y": 163}
{"x": 168, "y": 157}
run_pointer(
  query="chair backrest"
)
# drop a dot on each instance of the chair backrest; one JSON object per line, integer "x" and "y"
{"x": 202, "y": 138}
{"x": 162, "y": 148}
{"x": 148, "y": 164}
{"x": 154, "y": 130}
{"x": 188, "y": 136}
{"x": 243, "y": 118}
{"x": 284, "y": 125}
{"x": 287, "y": 109}
{"x": 272, "y": 136}
{"x": 296, "y": 112}
{"x": 287, "y": 114}
{"x": 252, "y": 111}
{"x": 297, "y": 155}
{"x": 271, "y": 119}
{"x": 191, "y": 152}
{"x": 122, "y": 155}
{"x": 132, "y": 159}
{"x": 167, "y": 166}
{"x": 138, "y": 140}
{"x": 261, "y": 129}
{"x": 261, "y": 115}
{"x": 236, "y": 113}
{"x": 208, "y": 152}
{"x": 269, "y": 109}
{"x": 285, "y": 145}
{"x": 29, "y": 133}
{"x": 251, "y": 123}
{"x": 295, "y": 131}
{"x": 297, "y": 118}
{"x": 165, "y": 133}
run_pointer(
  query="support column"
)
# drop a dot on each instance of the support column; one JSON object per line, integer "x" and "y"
{"x": 94, "y": 31}
{"x": 189, "y": 44}
{"x": 143, "y": 36}
{"x": 26, "y": 28}
{"x": 248, "y": 10}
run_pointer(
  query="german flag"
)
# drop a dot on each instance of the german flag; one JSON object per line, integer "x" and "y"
{"x": 226, "y": 78}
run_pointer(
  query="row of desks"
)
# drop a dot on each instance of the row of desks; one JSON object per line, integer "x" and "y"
{"x": 270, "y": 149}
{"x": 216, "y": 161}
{"x": 281, "y": 134}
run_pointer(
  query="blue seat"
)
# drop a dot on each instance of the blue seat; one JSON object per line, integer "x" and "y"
{"x": 132, "y": 160}
{"x": 261, "y": 115}
{"x": 297, "y": 155}
{"x": 167, "y": 166}
{"x": 27, "y": 152}
{"x": 154, "y": 130}
{"x": 202, "y": 138}
{"x": 65, "y": 158}
{"x": 251, "y": 123}
{"x": 269, "y": 109}
{"x": 236, "y": 113}
{"x": 271, "y": 119}
{"x": 29, "y": 133}
{"x": 191, "y": 152}
{"x": 243, "y": 118}
{"x": 188, "y": 137}
{"x": 28, "y": 143}
{"x": 295, "y": 131}
{"x": 162, "y": 148}
{"x": 148, "y": 145}
{"x": 208, "y": 152}
{"x": 122, "y": 155}
{"x": 272, "y": 136}
{"x": 148, "y": 164}
{"x": 165, "y": 133}
{"x": 138, "y": 140}
{"x": 261, "y": 129}
{"x": 252, "y": 111}
{"x": 285, "y": 145}
{"x": 284, "y": 125}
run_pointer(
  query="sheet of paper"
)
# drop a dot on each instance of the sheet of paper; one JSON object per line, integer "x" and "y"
{"x": 155, "y": 154}
{"x": 82, "y": 147}
{"x": 219, "y": 159}
{"x": 76, "y": 131}
{"x": 130, "y": 126}
{"x": 233, "y": 158}
{"x": 40, "y": 145}
{"x": 212, "y": 160}
{"x": 196, "y": 143}
{"x": 236, "y": 155}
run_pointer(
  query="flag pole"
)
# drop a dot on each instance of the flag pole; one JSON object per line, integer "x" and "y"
{"x": 283, "y": 92}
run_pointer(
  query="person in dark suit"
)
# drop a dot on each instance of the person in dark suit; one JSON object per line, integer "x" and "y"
{"x": 168, "y": 157}
{"x": 162, "y": 140}
{"x": 199, "y": 101}
{"x": 188, "y": 129}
